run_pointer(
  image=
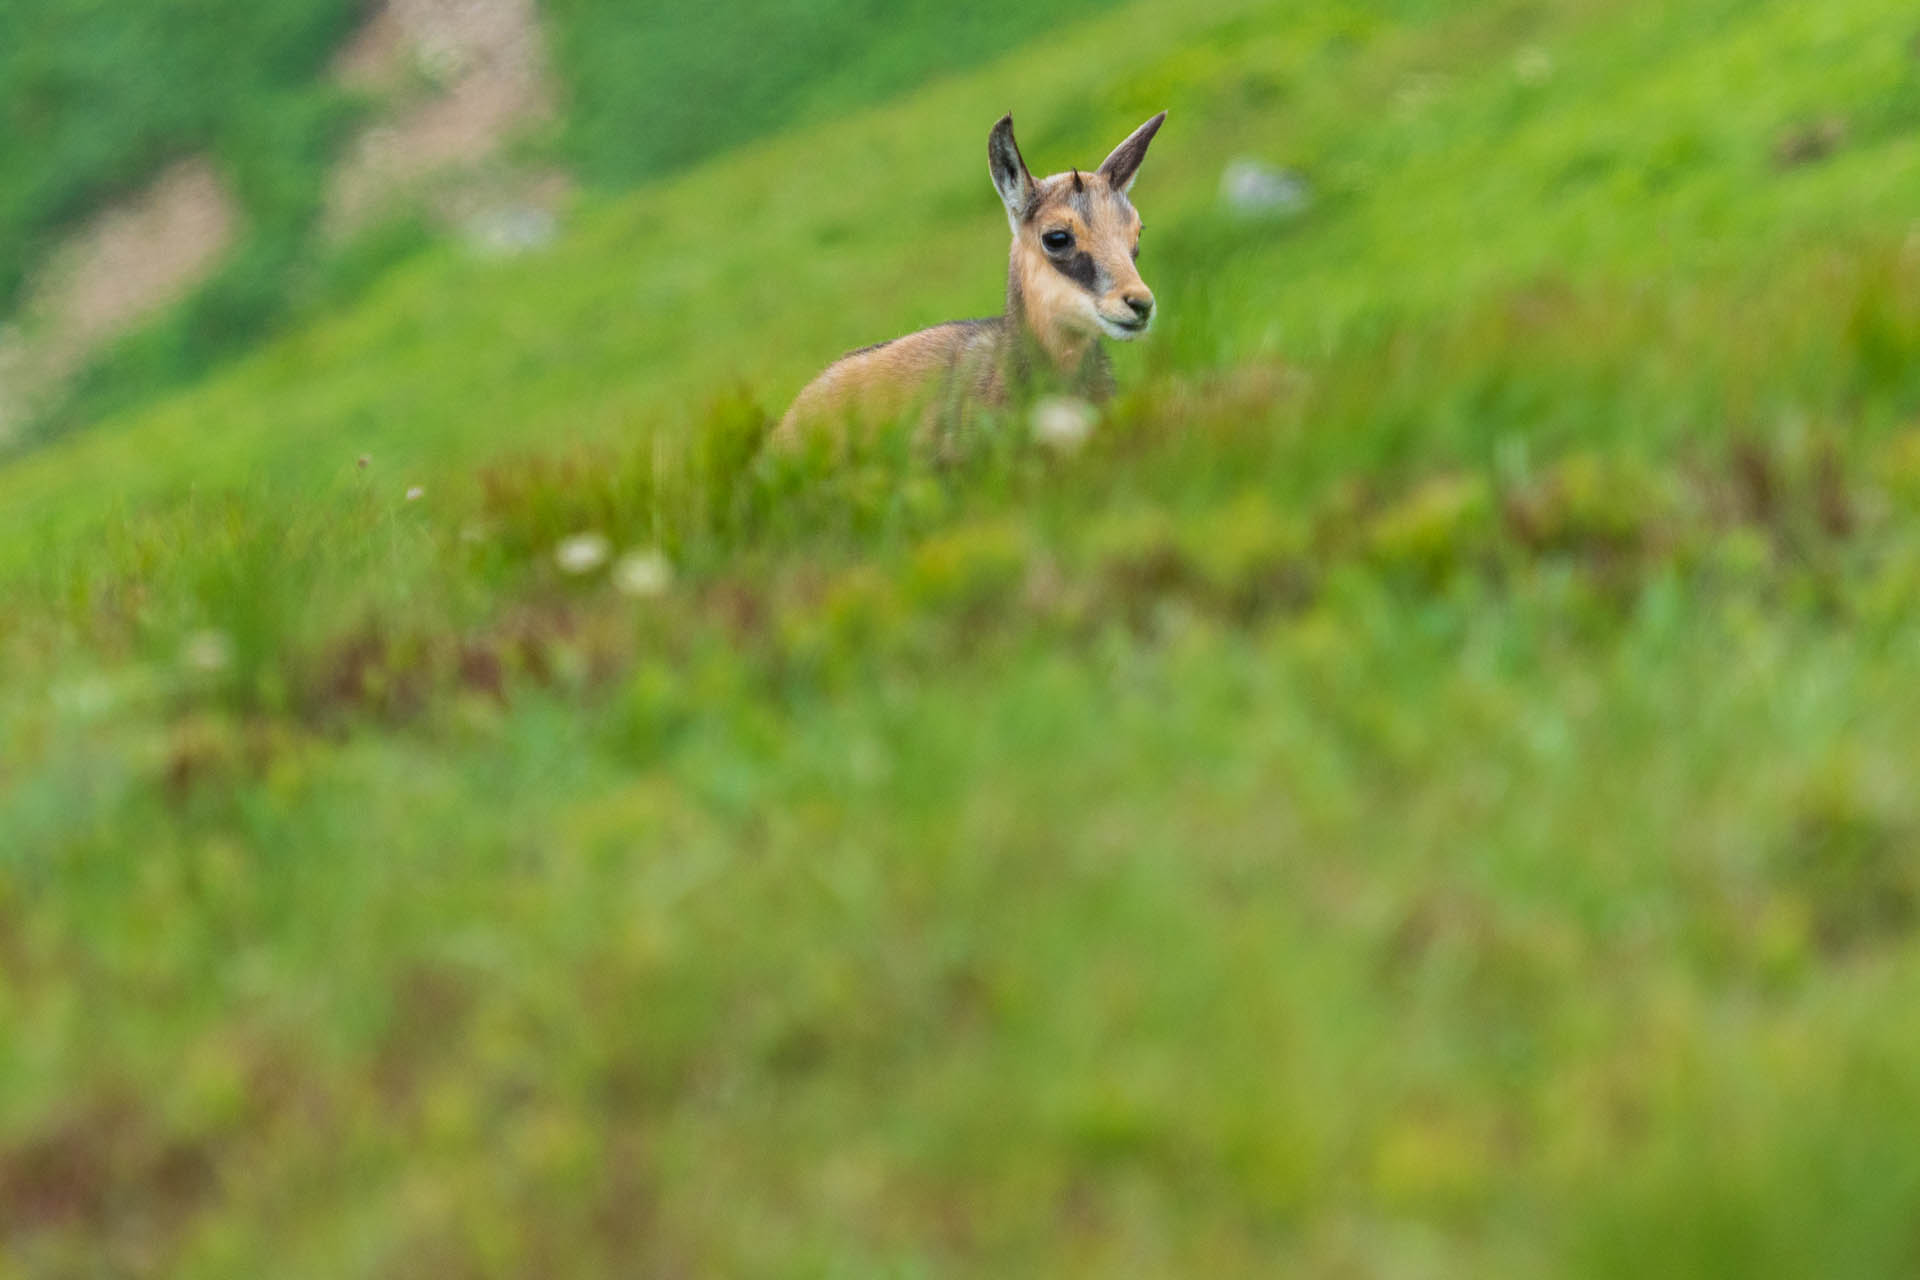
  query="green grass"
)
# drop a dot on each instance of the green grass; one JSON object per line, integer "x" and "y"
{"x": 99, "y": 101}
{"x": 96, "y": 100}
{"x": 1426, "y": 791}
{"x": 655, "y": 90}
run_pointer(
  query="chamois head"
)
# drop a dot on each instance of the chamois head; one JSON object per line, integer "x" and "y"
{"x": 1075, "y": 239}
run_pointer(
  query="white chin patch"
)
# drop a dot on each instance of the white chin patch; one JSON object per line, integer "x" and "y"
{"x": 1120, "y": 332}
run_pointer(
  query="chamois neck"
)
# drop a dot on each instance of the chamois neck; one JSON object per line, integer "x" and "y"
{"x": 1073, "y": 358}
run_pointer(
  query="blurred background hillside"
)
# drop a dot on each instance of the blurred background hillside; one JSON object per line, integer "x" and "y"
{"x": 190, "y": 176}
{"x": 1425, "y": 787}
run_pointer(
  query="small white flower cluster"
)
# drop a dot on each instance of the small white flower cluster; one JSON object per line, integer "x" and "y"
{"x": 1063, "y": 423}
{"x": 641, "y": 573}
{"x": 581, "y": 554}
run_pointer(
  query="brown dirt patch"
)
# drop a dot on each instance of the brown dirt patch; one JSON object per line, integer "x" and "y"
{"x": 122, "y": 266}
{"x": 458, "y": 79}
{"x": 464, "y": 77}
{"x": 135, "y": 259}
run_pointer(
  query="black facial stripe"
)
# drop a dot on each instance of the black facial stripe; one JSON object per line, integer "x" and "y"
{"x": 1077, "y": 267}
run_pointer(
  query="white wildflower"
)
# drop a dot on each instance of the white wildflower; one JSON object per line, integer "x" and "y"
{"x": 1063, "y": 423}
{"x": 582, "y": 553}
{"x": 643, "y": 573}
{"x": 1255, "y": 188}
{"x": 416, "y": 493}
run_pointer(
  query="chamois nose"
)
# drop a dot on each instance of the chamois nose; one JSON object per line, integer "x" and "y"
{"x": 1142, "y": 305}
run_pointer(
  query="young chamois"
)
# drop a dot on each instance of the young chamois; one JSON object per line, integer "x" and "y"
{"x": 1071, "y": 280}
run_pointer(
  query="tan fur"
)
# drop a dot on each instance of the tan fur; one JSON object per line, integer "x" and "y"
{"x": 886, "y": 382}
{"x": 1059, "y": 305}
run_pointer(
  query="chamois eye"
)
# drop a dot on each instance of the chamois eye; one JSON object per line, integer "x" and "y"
{"x": 1057, "y": 240}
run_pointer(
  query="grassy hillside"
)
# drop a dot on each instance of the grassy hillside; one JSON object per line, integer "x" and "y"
{"x": 1426, "y": 790}
{"x": 657, "y": 88}
{"x": 99, "y": 101}
{"x": 96, "y": 99}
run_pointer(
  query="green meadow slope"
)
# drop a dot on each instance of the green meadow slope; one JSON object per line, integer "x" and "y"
{"x": 155, "y": 82}
{"x": 98, "y": 100}
{"x": 1427, "y": 790}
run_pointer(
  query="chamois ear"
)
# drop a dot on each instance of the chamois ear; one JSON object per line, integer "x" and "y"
{"x": 1009, "y": 169}
{"x": 1120, "y": 167}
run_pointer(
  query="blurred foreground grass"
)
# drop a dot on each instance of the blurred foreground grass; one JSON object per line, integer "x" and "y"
{"x": 1426, "y": 790}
